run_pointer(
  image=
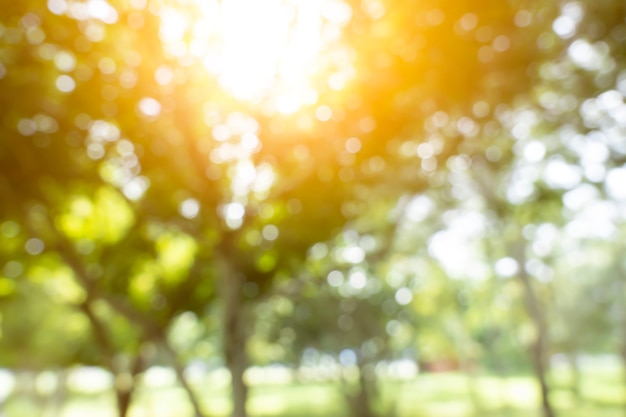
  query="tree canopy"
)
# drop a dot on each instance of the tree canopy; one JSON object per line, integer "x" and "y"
{"x": 357, "y": 178}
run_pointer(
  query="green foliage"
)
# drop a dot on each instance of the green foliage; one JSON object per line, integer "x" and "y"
{"x": 139, "y": 192}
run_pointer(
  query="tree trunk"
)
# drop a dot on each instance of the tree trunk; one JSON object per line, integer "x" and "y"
{"x": 235, "y": 336}
{"x": 123, "y": 397}
{"x": 501, "y": 373}
{"x": 540, "y": 344}
{"x": 124, "y": 393}
{"x": 365, "y": 395}
{"x": 58, "y": 397}
{"x": 360, "y": 402}
{"x": 540, "y": 371}
{"x": 149, "y": 330}
{"x": 180, "y": 374}
{"x": 621, "y": 300}
{"x": 576, "y": 378}
{"x": 461, "y": 340}
{"x": 623, "y": 354}
{"x": 623, "y": 348}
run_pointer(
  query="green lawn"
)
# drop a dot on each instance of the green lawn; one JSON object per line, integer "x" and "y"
{"x": 429, "y": 395}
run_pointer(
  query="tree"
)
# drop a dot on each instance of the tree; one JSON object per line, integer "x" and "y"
{"x": 238, "y": 187}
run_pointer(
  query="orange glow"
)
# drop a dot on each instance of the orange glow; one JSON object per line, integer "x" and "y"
{"x": 266, "y": 52}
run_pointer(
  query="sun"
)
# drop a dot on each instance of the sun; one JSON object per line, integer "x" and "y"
{"x": 262, "y": 51}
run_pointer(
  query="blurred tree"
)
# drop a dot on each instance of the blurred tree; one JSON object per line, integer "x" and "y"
{"x": 259, "y": 229}
{"x": 56, "y": 189}
{"x": 339, "y": 306}
{"x": 226, "y": 196}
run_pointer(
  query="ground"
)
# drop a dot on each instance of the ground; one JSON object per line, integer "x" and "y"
{"x": 428, "y": 395}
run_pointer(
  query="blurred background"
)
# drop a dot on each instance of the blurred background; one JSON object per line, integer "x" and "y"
{"x": 300, "y": 208}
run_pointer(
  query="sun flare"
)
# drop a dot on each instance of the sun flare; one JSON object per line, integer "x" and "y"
{"x": 270, "y": 51}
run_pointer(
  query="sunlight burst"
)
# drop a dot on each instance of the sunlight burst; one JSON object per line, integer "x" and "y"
{"x": 263, "y": 51}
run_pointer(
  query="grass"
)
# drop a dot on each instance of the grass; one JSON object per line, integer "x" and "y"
{"x": 429, "y": 395}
